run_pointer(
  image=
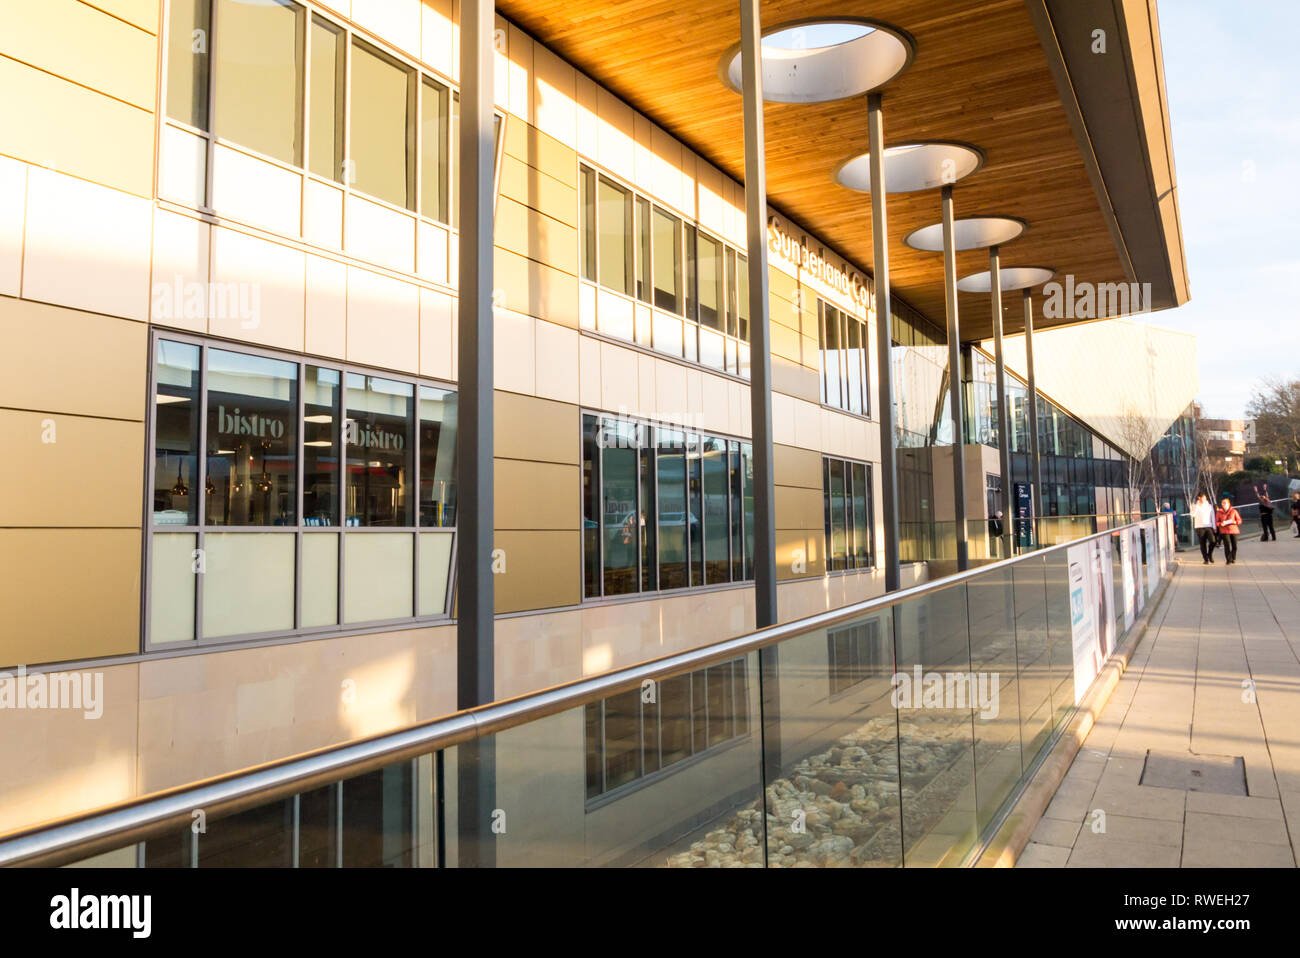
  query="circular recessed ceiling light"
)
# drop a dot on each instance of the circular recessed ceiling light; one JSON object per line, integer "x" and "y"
{"x": 974, "y": 232}
{"x": 814, "y": 61}
{"x": 913, "y": 166}
{"x": 1013, "y": 277}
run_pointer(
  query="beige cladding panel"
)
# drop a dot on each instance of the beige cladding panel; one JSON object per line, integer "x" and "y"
{"x": 546, "y": 194}
{"x": 72, "y": 471}
{"x": 64, "y": 360}
{"x": 68, "y": 594}
{"x": 142, "y": 13}
{"x": 75, "y": 41}
{"x": 543, "y": 570}
{"x": 34, "y": 127}
{"x": 797, "y": 467}
{"x": 539, "y": 430}
{"x": 529, "y": 233}
{"x": 535, "y": 289}
{"x": 536, "y": 495}
{"x": 542, "y": 152}
{"x": 799, "y": 554}
{"x": 799, "y": 508}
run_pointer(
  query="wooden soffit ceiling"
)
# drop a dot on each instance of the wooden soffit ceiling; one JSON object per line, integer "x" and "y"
{"x": 979, "y": 76}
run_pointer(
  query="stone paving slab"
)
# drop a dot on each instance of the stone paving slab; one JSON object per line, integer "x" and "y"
{"x": 1218, "y": 674}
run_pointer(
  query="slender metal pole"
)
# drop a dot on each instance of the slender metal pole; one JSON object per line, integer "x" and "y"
{"x": 884, "y": 342}
{"x": 1035, "y": 467}
{"x": 760, "y": 387}
{"x": 760, "y": 361}
{"x": 476, "y": 773}
{"x": 1004, "y": 419}
{"x": 954, "y": 381}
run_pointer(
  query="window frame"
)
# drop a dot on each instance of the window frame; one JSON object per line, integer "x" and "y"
{"x": 736, "y": 350}
{"x": 869, "y": 499}
{"x": 648, "y": 438}
{"x": 605, "y": 795}
{"x": 200, "y": 529}
{"x": 348, "y": 34}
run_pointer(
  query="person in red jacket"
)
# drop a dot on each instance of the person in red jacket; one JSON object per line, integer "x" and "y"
{"x": 1228, "y": 521}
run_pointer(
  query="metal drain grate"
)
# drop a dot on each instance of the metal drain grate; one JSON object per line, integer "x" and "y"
{"x": 1221, "y": 774}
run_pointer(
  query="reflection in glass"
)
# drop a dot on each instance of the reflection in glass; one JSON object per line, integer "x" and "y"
{"x": 320, "y": 447}
{"x": 176, "y": 435}
{"x": 379, "y": 441}
{"x": 666, "y": 235}
{"x": 325, "y": 152}
{"x": 591, "y": 506}
{"x": 717, "y": 533}
{"x": 252, "y": 455}
{"x": 437, "y": 457}
{"x": 257, "y": 79}
{"x": 614, "y": 221}
{"x": 187, "y": 62}
{"x": 435, "y": 116}
{"x": 381, "y": 160}
{"x": 673, "y": 516}
{"x": 620, "y": 516}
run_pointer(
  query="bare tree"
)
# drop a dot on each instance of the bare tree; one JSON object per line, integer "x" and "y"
{"x": 1275, "y": 407}
{"x": 1137, "y": 432}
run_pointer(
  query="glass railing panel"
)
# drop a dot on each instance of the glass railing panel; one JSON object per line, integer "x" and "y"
{"x": 935, "y": 735}
{"x": 1033, "y": 657}
{"x": 993, "y": 690}
{"x": 1060, "y": 634}
{"x": 667, "y": 774}
{"x": 833, "y": 789}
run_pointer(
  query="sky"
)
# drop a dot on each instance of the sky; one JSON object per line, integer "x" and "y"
{"x": 1232, "y": 74}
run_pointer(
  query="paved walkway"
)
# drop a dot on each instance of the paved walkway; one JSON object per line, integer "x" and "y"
{"x": 1180, "y": 715}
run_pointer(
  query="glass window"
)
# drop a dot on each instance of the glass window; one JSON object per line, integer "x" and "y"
{"x": 435, "y": 118}
{"x": 187, "y": 61}
{"x": 437, "y": 457}
{"x": 622, "y": 738}
{"x": 379, "y": 443}
{"x": 666, "y": 237}
{"x": 717, "y": 532}
{"x": 737, "y": 481}
{"x": 591, "y": 505}
{"x": 176, "y": 435}
{"x": 643, "y": 282}
{"x": 670, "y": 454}
{"x": 742, "y": 283}
{"x": 322, "y": 432}
{"x": 587, "y": 227}
{"x": 382, "y": 137}
{"x": 252, "y": 452}
{"x": 836, "y": 529}
{"x": 325, "y": 152}
{"x": 645, "y": 510}
{"x": 695, "y": 488}
{"x": 621, "y": 527}
{"x": 675, "y": 709}
{"x": 258, "y": 77}
{"x": 708, "y": 263}
{"x": 614, "y": 221}
{"x": 692, "y": 290}
{"x": 831, "y": 353}
{"x": 733, "y": 296}
{"x": 863, "y": 527}
{"x": 853, "y": 363}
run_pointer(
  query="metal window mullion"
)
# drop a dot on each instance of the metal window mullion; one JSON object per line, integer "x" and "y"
{"x": 200, "y": 482}
{"x": 305, "y": 100}
{"x": 296, "y": 851}
{"x": 300, "y": 455}
{"x": 211, "y": 106}
{"x": 342, "y": 510}
{"x": 600, "y": 499}
{"x": 415, "y": 472}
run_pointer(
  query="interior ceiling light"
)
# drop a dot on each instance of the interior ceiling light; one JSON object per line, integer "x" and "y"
{"x": 1013, "y": 277}
{"x": 974, "y": 232}
{"x": 815, "y": 61}
{"x": 913, "y": 166}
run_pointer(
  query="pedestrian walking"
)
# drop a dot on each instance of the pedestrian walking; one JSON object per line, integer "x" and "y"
{"x": 1295, "y": 512}
{"x": 1228, "y": 521}
{"x": 1266, "y": 517}
{"x": 1203, "y": 526}
{"x": 995, "y": 533}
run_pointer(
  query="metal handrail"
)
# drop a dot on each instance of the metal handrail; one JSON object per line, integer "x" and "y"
{"x": 113, "y": 826}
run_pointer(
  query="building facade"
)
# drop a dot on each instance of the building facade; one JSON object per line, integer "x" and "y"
{"x": 231, "y": 287}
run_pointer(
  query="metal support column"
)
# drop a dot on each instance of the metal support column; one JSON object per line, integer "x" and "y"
{"x": 1004, "y": 418}
{"x": 884, "y": 342}
{"x": 476, "y": 771}
{"x": 954, "y": 381}
{"x": 1035, "y": 467}
{"x": 760, "y": 383}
